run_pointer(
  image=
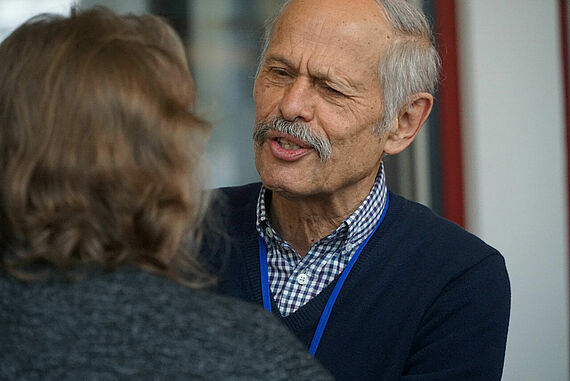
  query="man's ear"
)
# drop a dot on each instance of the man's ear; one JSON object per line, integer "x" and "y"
{"x": 410, "y": 120}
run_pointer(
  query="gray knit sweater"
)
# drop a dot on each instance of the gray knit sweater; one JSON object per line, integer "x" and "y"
{"x": 133, "y": 325}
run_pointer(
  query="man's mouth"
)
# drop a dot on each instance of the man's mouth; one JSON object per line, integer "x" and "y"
{"x": 287, "y": 144}
{"x": 290, "y": 139}
{"x": 287, "y": 148}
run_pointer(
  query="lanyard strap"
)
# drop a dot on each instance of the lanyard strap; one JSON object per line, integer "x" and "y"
{"x": 336, "y": 291}
{"x": 264, "y": 274}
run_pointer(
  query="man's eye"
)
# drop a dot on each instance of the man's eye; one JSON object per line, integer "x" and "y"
{"x": 280, "y": 72}
{"x": 331, "y": 90}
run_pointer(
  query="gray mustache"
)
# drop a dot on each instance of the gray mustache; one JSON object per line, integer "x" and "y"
{"x": 297, "y": 129}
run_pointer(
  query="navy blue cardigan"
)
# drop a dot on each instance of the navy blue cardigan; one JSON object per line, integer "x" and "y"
{"x": 426, "y": 300}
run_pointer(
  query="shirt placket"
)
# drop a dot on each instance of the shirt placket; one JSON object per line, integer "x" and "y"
{"x": 312, "y": 269}
{"x": 296, "y": 287}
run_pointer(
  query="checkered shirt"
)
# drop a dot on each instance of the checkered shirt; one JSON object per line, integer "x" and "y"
{"x": 295, "y": 280}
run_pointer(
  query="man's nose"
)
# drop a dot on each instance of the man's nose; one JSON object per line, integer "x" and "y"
{"x": 298, "y": 101}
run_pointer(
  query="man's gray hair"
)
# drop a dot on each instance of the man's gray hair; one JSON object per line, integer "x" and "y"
{"x": 409, "y": 65}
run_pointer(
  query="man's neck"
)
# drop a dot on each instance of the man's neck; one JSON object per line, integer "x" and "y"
{"x": 303, "y": 221}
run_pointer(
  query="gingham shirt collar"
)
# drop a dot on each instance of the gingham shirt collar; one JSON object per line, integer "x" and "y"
{"x": 325, "y": 259}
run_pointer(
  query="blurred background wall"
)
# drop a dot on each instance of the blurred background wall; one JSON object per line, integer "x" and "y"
{"x": 493, "y": 156}
{"x": 513, "y": 115}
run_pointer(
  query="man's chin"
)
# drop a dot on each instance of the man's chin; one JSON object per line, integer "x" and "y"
{"x": 291, "y": 190}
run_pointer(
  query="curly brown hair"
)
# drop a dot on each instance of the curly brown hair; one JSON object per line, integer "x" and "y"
{"x": 99, "y": 149}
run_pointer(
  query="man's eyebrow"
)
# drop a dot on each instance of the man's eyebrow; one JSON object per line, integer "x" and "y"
{"x": 325, "y": 77}
{"x": 344, "y": 82}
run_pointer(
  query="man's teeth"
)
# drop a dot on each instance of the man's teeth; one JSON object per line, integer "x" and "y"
{"x": 287, "y": 144}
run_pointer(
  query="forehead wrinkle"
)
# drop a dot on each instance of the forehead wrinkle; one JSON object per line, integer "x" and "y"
{"x": 329, "y": 40}
{"x": 325, "y": 64}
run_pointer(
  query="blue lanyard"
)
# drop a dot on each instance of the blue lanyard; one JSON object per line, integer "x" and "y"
{"x": 332, "y": 299}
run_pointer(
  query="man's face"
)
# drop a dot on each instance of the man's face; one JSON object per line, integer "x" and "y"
{"x": 321, "y": 69}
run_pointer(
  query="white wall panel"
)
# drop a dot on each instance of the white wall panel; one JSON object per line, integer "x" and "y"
{"x": 515, "y": 169}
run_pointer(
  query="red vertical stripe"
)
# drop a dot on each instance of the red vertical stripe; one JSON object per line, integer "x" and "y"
{"x": 450, "y": 121}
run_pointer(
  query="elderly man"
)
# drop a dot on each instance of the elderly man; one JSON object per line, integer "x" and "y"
{"x": 376, "y": 286}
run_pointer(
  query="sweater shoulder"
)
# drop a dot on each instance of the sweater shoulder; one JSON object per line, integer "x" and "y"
{"x": 418, "y": 225}
{"x": 239, "y": 195}
{"x": 234, "y": 208}
{"x": 142, "y": 324}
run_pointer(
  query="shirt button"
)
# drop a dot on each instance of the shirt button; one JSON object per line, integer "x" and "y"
{"x": 303, "y": 279}
{"x": 269, "y": 232}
